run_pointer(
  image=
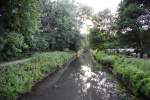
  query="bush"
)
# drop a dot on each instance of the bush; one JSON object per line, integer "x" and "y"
{"x": 108, "y": 61}
{"x": 38, "y": 43}
{"x": 104, "y": 59}
{"x": 11, "y": 45}
{"x": 20, "y": 78}
{"x": 134, "y": 73}
{"x": 98, "y": 55}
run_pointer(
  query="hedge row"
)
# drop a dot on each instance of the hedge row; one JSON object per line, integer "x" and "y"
{"x": 134, "y": 73}
{"x": 20, "y": 78}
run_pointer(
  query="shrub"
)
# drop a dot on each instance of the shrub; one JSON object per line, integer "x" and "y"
{"x": 104, "y": 59}
{"x": 20, "y": 78}
{"x": 108, "y": 61}
{"x": 39, "y": 43}
{"x": 12, "y": 44}
{"x": 99, "y": 55}
{"x": 134, "y": 73}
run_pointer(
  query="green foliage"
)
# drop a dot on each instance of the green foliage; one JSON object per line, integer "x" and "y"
{"x": 61, "y": 25}
{"x": 104, "y": 59}
{"x": 38, "y": 43}
{"x": 19, "y": 16}
{"x": 99, "y": 55}
{"x": 103, "y": 20}
{"x": 19, "y": 20}
{"x": 102, "y": 35}
{"x": 131, "y": 11}
{"x": 102, "y": 40}
{"x": 139, "y": 63}
{"x": 12, "y": 44}
{"x": 20, "y": 78}
{"x": 37, "y": 25}
{"x": 84, "y": 12}
{"x": 134, "y": 73}
{"x": 130, "y": 26}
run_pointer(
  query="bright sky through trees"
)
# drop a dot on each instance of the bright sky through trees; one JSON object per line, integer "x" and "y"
{"x": 99, "y": 5}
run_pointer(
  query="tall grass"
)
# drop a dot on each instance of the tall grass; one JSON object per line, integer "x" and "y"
{"x": 135, "y": 73}
{"x": 20, "y": 78}
{"x": 141, "y": 64}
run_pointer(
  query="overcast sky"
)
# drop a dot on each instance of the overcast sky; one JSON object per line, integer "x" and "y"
{"x": 99, "y": 5}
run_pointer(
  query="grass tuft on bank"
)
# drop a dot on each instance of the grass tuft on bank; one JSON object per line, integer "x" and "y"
{"x": 134, "y": 73}
{"x": 20, "y": 78}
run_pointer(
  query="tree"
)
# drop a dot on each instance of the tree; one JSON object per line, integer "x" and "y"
{"x": 19, "y": 16}
{"x": 103, "y": 20}
{"x": 133, "y": 24}
{"x": 60, "y": 24}
{"x": 19, "y": 22}
{"x": 84, "y": 12}
{"x": 102, "y": 36}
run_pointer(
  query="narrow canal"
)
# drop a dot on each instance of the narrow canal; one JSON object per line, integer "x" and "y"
{"x": 81, "y": 82}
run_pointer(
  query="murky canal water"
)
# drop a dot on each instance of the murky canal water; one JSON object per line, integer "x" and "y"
{"x": 80, "y": 82}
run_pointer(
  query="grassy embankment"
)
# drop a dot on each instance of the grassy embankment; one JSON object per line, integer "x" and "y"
{"x": 134, "y": 73}
{"x": 20, "y": 78}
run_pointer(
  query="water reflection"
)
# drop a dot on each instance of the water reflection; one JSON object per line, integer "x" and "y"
{"x": 97, "y": 84}
{"x": 80, "y": 82}
{"x": 85, "y": 76}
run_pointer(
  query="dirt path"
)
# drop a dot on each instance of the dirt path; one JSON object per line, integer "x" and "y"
{"x": 80, "y": 82}
{"x": 14, "y": 62}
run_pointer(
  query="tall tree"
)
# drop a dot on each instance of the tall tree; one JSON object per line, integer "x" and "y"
{"x": 60, "y": 24}
{"x": 103, "y": 20}
{"x": 102, "y": 36}
{"x": 84, "y": 12}
{"x": 133, "y": 24}
{"x": 19, "y": 16}
{"x": 19, "y": 21}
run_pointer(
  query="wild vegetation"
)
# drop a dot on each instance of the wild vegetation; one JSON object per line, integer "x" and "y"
{"x": 133, "y": 25}
{"x": 129, "y": 29}
{"x": 32, "y": 26}
{"x": 19, "y": 78}
{"x": 102, "y": 34}
{"x": 134, "y": 73}
{"x": 29, "y": 28}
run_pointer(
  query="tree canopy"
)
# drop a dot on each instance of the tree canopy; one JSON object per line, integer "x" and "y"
{"x": 60, "y": 24}
{"x": 133, "y": 24}
{"x": 102, "y": 36}
{"x": 38, "y": 25}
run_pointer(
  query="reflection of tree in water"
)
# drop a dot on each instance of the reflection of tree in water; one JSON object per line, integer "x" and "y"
{"x": 97, "y": 85}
